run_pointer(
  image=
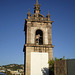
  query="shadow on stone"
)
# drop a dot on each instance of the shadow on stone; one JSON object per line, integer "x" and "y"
{"x": 45, "y": 71}
{"x": 51, "y": 70}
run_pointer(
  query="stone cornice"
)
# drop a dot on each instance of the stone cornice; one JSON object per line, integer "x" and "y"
{"x": 34, "y": 45}
{"x": 30, "y": 20}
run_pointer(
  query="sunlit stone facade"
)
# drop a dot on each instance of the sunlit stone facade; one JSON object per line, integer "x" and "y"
{"x": 38, "y": 42}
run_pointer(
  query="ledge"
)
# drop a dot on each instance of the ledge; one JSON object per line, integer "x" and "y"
{"x": 34, "y": 45}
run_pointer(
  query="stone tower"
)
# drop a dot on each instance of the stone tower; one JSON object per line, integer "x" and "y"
{"x": 38, "y": 48}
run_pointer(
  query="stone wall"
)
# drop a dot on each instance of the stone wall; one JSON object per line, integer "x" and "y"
{"x": 64, "y": 67}
{"x": 44, "y": 27}
{"x": 60, "y": 67}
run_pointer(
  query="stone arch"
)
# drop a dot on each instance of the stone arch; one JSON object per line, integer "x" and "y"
{"x": 39, "y": 37}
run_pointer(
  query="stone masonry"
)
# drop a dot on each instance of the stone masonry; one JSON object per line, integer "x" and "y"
{"x": 33, "y": 23}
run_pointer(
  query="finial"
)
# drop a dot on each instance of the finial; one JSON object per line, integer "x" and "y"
{"x": 48, "y": 15}
{"x": 37, "y": 2}
{"x": 29, "y": 12}
{"x": 48, "y": 12}
{"x": 37, "y": 7}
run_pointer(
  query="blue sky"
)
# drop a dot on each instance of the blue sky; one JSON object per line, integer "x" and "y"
{"x": 12, "y": 38}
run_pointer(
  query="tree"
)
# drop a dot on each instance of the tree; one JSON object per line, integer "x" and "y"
{"x": 51, "y": 64}
{"x": 51, "y": 67}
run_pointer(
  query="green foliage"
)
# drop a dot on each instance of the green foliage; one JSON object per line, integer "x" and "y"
{"x": 8, "y": 73}
{"x": 16, "y": 67}
{"x": 13, "y": 66}
{"x": 51, "y": 67}
{"x": 51, "y": 64}
{"x": 56, "y": 59}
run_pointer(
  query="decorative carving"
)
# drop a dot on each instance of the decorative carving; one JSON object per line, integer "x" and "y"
{"x": 37, "y": 36}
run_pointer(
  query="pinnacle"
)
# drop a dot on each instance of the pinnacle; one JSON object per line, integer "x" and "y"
{"x": 29, "y": 12}
{"x": 48, "y": 14}
{"x": 37, "y": 2}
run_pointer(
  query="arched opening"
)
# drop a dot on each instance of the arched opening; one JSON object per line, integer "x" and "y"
{"x": 39, "y": 37}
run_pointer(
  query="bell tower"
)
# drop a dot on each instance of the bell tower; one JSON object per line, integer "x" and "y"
{"x": 38, "y": 48}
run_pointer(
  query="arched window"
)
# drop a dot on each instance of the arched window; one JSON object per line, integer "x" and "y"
{"x": 39, "y": 37}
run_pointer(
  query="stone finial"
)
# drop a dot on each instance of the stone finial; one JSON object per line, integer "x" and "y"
{"x": 48, "y": 16}
{"x": 37, "y": 7}
{"x": 28, "y": 14}
{"x": 36, "y": 2}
